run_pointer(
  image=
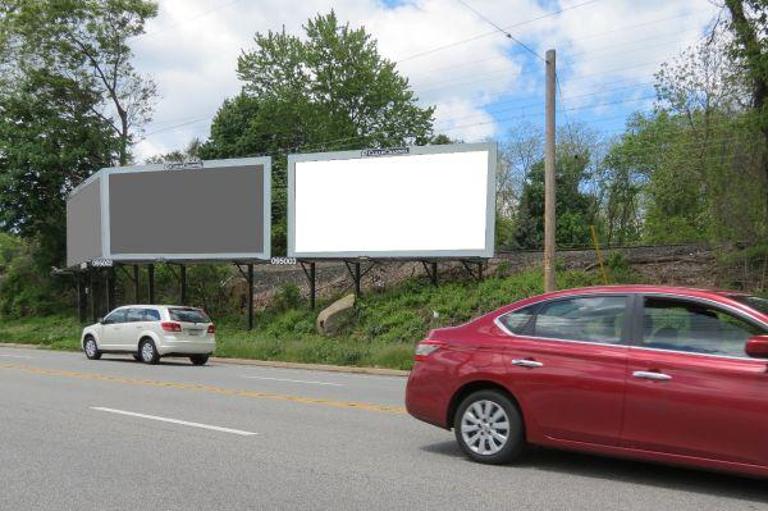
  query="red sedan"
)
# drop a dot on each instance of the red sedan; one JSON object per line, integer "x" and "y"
{"x": 653, "y": 373}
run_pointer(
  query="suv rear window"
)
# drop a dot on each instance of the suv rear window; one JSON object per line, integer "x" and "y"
{"x": 188, "y": 315}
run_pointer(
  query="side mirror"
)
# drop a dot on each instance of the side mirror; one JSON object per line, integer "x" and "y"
{"x": 757, "y": 346}
{"x": 100, "y": 321}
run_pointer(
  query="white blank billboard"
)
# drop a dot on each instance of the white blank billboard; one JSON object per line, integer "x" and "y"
{"x": 435, "y": 201}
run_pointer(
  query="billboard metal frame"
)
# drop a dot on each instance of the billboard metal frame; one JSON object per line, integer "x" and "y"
{"x": 103, "y": 177}
{"x": 490, "y": 223}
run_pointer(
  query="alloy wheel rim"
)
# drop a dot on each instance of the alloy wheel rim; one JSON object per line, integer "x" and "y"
{"x": 485, "y": 427}
{"x": 90, "y": 347}
{"x": 147, "y": 352}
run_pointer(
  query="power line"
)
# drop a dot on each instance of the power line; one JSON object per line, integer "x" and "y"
{"x": 571, "y": 44}
{"x": 507, "y": 119}
{"x": 177, "y": 126}
{"x": 178, "y": 23}
{"x": 486, "y": 34}
{"x": 498, "y": 28}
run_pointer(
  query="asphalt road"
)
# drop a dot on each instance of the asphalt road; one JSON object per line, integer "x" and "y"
{"x": 116, "y": 434}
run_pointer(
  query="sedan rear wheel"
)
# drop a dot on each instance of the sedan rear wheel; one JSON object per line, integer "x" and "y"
{"x": 488, "y": 427}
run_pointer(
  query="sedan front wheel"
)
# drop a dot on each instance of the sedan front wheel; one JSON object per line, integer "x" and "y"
{"x": 489, "y": 428}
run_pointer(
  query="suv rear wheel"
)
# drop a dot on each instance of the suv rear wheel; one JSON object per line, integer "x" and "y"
{"x": 199, "y": 360}
{"x": 148, "y": 352}
{"x": 489, "y": 428}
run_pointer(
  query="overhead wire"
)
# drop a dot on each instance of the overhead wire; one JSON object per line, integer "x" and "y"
{"x": 503, "y": 30}
{"x": 499, "y": 29}
{"x": 486, "y": 34}
{"x": 187, "y": 20}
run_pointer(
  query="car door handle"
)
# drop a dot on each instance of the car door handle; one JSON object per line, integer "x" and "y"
{"x": 526, "y": 362}
{"x": 652, "y": 375}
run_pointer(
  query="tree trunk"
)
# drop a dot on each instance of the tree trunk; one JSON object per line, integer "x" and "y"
{"x": 746, "y": 36}
{"x": 123, "y": 139}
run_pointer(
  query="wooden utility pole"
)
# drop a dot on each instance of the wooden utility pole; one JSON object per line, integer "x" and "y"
{"x": 549, "y": 177}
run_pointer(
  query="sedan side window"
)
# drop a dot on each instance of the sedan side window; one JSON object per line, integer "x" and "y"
{"x": 682, "y": 325}
{"x": 517, "y": 322}
{"x": 592, "y": 319}
{"x": 117, "y": 316}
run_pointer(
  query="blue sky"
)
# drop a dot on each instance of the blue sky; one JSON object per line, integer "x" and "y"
{"x": 482, "y": 83}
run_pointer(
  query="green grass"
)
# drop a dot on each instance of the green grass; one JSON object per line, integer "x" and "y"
{"x": 55, "y": 332}
{"x": 382, "y": 333}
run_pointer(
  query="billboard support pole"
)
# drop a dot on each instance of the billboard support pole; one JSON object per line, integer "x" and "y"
{"x": 250, "y": 296}
{"x": 151, "y": 282}
{"x": 431, "y": 271}
{"x": 358, "y": 287}
{"x": 356, "y": 276}
{"x": 82, "y": 298}
{"x": 183, "y": 279}
{"x": 92, "y": 292}
{"x": 476, "y": 274}
{"x": 136, "y": 293}
{"x": 110, "y": 282}
{"x": 310, "y": 274}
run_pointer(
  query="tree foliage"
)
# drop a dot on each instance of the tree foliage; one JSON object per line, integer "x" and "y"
{"x": 50, "y": 140}
{"x": 694, "y": 168}
{"x": 86, "y": 42}
{"x": 576, "y": 210}
{"x": 327, "y": 91}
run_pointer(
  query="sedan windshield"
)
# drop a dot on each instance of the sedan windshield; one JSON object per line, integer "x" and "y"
{"x": 189, "y": 315}
{"x": 757, "y": 303}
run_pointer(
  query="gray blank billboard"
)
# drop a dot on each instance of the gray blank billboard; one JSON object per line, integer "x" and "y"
{"x": 84, "y": 223}
{"x": 187, "y": 211}
{"x": 220, "y": 211}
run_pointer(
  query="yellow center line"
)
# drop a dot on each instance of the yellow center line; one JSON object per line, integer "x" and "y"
{"x": 212, "y": 389}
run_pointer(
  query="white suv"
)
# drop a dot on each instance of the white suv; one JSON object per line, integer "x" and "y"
{"x": 149, "y": 332}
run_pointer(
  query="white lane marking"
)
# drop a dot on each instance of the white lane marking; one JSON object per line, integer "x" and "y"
{"x": 175, "y": 421}
{"x": 14, "y": 356}
{"x": 309, "y": 382}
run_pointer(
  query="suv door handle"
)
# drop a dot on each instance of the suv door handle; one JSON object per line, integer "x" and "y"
{"x": 651, "y": 375}
{"x": 526, "y": 362}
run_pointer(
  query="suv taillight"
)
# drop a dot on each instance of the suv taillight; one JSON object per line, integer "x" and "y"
{"x": 425, "y": 349}
{"x": 170, "y": 326}
{"x": 211, "y": 328}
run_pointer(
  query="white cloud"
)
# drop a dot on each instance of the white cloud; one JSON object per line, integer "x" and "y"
{"x": 192, "y": 47}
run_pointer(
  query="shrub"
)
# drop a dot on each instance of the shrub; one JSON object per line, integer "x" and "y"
{"x": 288, "y": 296}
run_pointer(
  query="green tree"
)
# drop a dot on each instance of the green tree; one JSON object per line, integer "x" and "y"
{"x": 50, "y": 140}
{"x": 86, "y": 42}
{"x": 749, "y": 49}
{"x": 576, "y": 210}
{"x": 693, "y": 168}
{"x": 520, "y": 186}
{"x": 330, "y": 90}
{"x": 190, "y": 152}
